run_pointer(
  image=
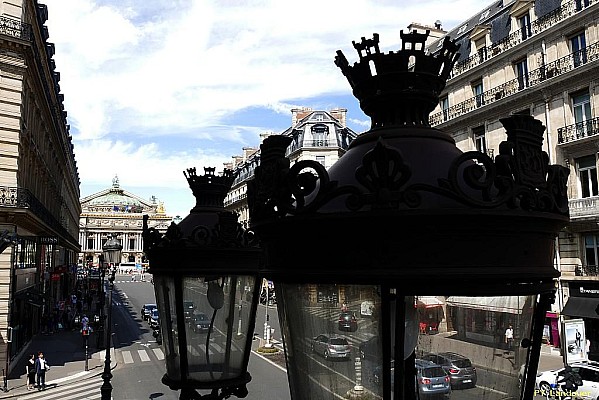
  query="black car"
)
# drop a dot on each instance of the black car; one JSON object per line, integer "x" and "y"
{"x": 200, "y": 323}
{"x": 146, "y": 311}
{"x": 459, "y": 368}
{"x": 348, "y": 321}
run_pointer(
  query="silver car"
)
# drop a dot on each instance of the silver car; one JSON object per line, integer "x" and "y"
{"x": 431, "y": 379}
{"x": 331, "y": 347}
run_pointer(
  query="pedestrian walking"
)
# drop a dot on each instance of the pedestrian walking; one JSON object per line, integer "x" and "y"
{"x": 30, "y": 370}
{"x": 509, "y": 337}
{"x": 41, "y": 367}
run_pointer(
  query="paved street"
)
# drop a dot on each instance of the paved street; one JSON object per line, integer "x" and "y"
{"x": 138, "y": 361}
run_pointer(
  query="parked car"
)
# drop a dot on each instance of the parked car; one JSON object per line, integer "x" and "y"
{"x": 200, "y": 323}
{"x": 154, "y": 319}
{"x": 146, "y": 310}
{"x": 331, "y": 346}
{"x": 348, "y": 321}
{"x": 188, "y": 309}
{"x": 588, "y": 372}
{"x": 431, "y": 379}
{"x": 459, "y": 368}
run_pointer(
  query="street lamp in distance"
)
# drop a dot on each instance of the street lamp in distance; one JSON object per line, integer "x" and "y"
{"x": 112, "y": 255}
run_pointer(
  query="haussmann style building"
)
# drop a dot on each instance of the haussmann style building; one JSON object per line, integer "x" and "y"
{"x": 538, "y": 58}
{"x": 39, "y": 181}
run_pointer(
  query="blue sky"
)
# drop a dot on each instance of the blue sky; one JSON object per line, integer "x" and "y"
{"x": 153, "y": 87}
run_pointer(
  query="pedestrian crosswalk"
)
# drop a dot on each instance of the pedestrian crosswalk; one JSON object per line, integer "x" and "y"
{"x": 87, "y": 389}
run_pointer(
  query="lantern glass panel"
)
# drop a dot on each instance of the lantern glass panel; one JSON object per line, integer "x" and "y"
{"x": 477, "y": 341}
{"x": 213, "y": 322}
{"x": 335, "y": 343}
{"x": 165, "y": 295}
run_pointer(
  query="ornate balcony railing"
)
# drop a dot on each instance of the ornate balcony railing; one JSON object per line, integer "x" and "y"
{"x": 15, "y": 28}
{"x": 585, "y": 207}
{"x": 22, "y": 198}
{"x": 587, "y": 270}
{"x": 316, "y": 143}
{"x": 577, "y": 131}
{"x": 524, "y": 33}
{"x": 534, "y": 77}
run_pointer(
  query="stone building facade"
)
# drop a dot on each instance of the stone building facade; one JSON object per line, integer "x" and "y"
{"x": 318, "y": 135}
{"x": 39, "y": 181}
{"x": 116, "y": 212}
{"x": 538, "y": 58}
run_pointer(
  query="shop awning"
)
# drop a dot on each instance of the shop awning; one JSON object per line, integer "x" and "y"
{"x": 429, "y": 302}
{"x": 505, "y": 304}
{"x": 581, "y": 307}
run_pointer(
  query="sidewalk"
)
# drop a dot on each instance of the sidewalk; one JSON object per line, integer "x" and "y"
{"x": 65, "y": 353}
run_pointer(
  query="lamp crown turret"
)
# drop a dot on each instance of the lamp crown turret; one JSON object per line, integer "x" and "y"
{"x": 209, "y": 189}
{"x": 402, "y": 87}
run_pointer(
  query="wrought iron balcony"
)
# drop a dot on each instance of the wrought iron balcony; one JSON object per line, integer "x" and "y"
{"x": 524, "y": 33}
{"x": 14, "y": 197}
{"x": 534, "y": 77}
{"x": 577, "y": 131}
{"x": 15, "y": 28}
{"x": 587, "y": 270}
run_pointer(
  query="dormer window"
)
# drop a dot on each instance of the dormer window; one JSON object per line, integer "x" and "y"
{"x": 484, "y": 15}
{"x": 462, "y": 29}
{"x": 320, "y": 134}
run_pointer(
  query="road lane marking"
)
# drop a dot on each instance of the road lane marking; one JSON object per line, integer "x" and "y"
{"x": 127, "y": 358}
{"x": 158, "y": 353}
{"x": 143, "y": 355}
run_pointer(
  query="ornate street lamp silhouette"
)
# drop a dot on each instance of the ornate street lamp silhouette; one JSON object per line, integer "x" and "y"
{"x": 210, "y": 263}
{"x": 404, "y": 213}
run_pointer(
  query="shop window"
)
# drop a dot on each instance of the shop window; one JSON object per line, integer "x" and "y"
{"x": 90, "y": 243}
{"x": 131, "y": 244}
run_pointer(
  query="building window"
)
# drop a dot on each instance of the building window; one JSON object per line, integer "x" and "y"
{"x": 581, "y": 105}
{"x": 444, "y": 102}
{"x": 320, "y": 135}
{"x": 319, "y": 117}
{"x": 90, "y": 243}
{"x": 591, "y": 259}
{"x": 320, "y": 160}
{"x": 524, "y": 23}
{"x": 587, "y": 175}
{"x": 580, "y": 4}
{"x": 477, "y": 89}
{"x": 131, "y": 244}
{"x": 480, "y": 141}
{"x": 579, "y": 51}
{"x": 522, "y": 74}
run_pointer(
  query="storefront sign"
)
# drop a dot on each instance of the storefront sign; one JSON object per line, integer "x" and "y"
{"x": 584, "y": 289}
{"x": 47, "y": 240}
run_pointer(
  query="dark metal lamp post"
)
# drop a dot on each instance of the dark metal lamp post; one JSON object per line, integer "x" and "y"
{"x": 405, "y": 214}
{"x": 201, "y": 264}
{"x": 112, "y": 256}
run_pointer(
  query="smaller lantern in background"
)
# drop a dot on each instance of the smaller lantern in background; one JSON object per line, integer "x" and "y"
{"x": 206, "y": 279}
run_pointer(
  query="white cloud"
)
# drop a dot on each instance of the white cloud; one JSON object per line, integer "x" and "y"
{"x": 136, "y": 67}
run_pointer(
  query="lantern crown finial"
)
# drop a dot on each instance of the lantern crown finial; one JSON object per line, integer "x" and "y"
{"x": 403, "y": 87}
{"x": 209, "y": 189}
